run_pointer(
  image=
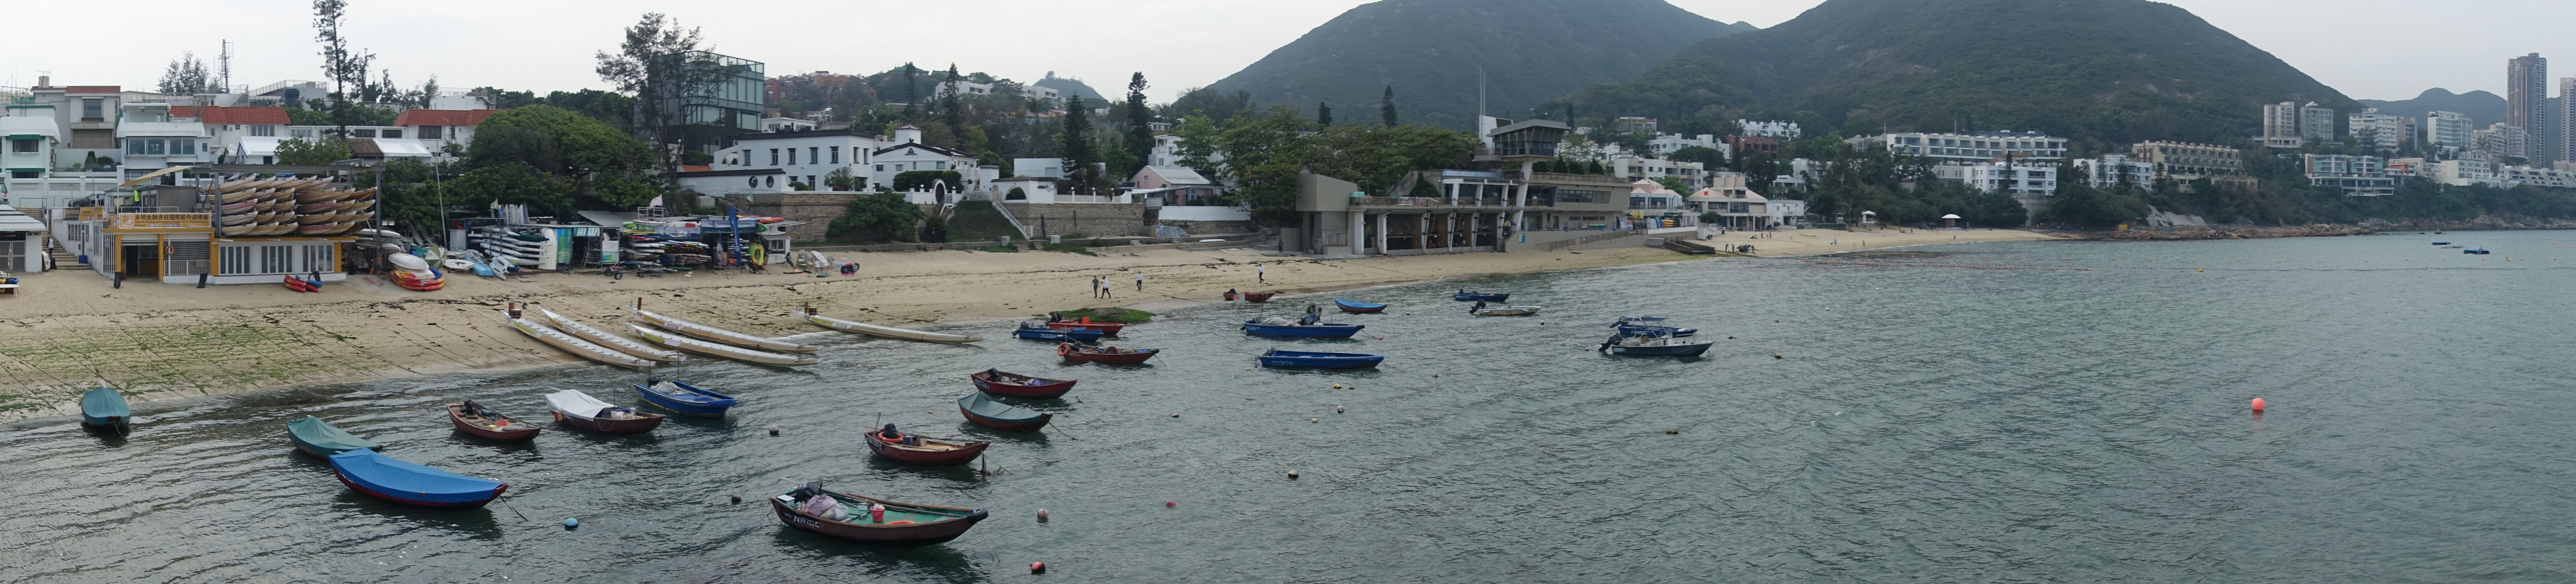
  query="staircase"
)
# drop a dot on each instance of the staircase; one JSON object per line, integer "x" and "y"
{"x": 63, "y": 256}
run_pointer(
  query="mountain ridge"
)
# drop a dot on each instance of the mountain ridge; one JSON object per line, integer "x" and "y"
{"x": 2483, "y": 108}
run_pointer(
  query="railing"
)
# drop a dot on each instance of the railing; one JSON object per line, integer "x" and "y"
{"x": 1535, "y": 202}
{"x": 1005, "y": 210}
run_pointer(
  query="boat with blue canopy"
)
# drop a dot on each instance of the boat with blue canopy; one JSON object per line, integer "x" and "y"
{"x": 1625, "y": 344}
{"x": 1319, "y": 360}
{"x": 105, "y": 409}
{"x": 684, "y": 399}
{"x": 1040, "y": 332}
{"x": 384, "y": 477}
{"x": 320, "y": 438}
{"x": 984, "y": 410}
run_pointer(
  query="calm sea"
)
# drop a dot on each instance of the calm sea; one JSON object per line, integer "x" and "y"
{"x": 1922, "y": 421}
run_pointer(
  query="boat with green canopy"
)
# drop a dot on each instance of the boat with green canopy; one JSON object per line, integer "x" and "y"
{"x": 320, "y": 438}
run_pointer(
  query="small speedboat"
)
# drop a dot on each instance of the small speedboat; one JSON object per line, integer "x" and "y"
{"x": 925, "y": 450}
{"x": 999, "y": 382}
{"x": 1359, "y": 307}
{"x": 1654, "y": 345}
{"x": 1042, "y": 333}
{"x": 1319, "y": 360}
{"x": 1271, "y": 328}
{"x": 2476, "y": 251}
{"x": 582, "y": 411}
{"x": 1505, "y": 311}
{"x": 1650, "y": 326}
{"x": 685, "y": 399}
{"x": 2441, "y": 243}
{"x": 1098, "y": 354}
{"x": 1465, "y": 296}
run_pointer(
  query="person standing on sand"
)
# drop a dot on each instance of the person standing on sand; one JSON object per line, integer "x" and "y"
{"x": 1260, "y": 274}
{"x": 1104, "y": 288}
{"x": 1095, "y": 286}
{"x": 1140, "y": 280}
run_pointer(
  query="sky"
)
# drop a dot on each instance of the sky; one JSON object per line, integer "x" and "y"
{"x": 548, "y": 45}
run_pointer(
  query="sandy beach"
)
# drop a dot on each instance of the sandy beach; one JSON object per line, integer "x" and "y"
{"x": 68, "y": 330}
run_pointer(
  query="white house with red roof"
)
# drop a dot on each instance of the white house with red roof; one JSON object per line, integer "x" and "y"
{"x": 242, "y": 135}
{"x": 438, "y": 129}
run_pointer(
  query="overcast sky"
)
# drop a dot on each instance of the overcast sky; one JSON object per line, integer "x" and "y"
{"x": 2369, "y": 49}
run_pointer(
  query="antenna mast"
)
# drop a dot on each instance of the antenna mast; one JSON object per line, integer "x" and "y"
{"x": 1480, "y": 90}
{"x": 224, "y": 65}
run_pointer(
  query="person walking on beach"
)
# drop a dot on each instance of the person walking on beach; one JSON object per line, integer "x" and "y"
{"x": 1096, "y": 286}
{"x": 1140, "y": 280}
{"x": 1104, "y": 288}
{"x": 1260, "y": 274}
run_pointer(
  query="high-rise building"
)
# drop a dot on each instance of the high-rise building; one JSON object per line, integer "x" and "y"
{"x": 2526, "y": 87}
{"x": 2567, "y": 119}
{"x": 2378, "y": 131}
{"x": 2281, "y": 125}
{"x": 2316, "y": 123}
{"x": 2446, "y": 130}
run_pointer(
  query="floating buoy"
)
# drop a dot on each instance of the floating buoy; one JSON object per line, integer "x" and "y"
{"x": 1037, "y": 567}
{"x": 1169, "y": 504}
{"x": 1730, "y": 336}
{"x": 1042, "y": 515}
{"x": 1176, "y": 415}
{"x": 1337, "y": 386}
{"x": 1337, "y": 409}
{"x": 737, "y": 498}
{"x": 1672, "y": 431}
{"x": 2258, "y": 404}
{"x": 773, "y": 430}
{"x": 570, "y": 523}
{"x": 1435, "y": 375}
{"x": 1292, "y": 474}
{"x": 1314, "y": 420}
{"x": 1777, "y": 356}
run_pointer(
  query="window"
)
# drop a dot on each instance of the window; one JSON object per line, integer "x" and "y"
{"x": 393, "y": 133}
{"x": 276, "y": 259}
{"x": 751, "y": 181}
{"x": 235, "y": 260}
{"x": 152, "y": 147}
{"x": 426, "y": 132}
{"x": 814, "y": 155}
{"x": 880, "y": 168}
{"x": 183, "y": 147}
{"x": 363, "y": 133}
{"x": 836, "y": 155}
{"x": 23, "y": 145}
{"x": 134, "y": 147}
{"x": 773, "y": 157}
{"x": 318, "y": 258}
{"x": 791, "y": 156}
{"x": 305, "y": 133}
{"x": 263, "y": 130}
{"x": 773, "y": 181}
{"x": 90, "y": 109}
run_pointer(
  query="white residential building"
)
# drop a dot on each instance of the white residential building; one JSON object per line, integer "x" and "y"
{"x": 2317, "y": 123}
{"x": 2462, "y": 172}
{"x": 2281, "y": 125}
{"x": 1666, "y": 144}
{"x": 1736, "y": 205}
{"x": 796, "y": 157}
{"x": 2446, "y": 130}
{"x": 2378, "y": 131}
{"x": 2546, "y": 177}
{"x": 442, "y": 131}
{"x": 784, "y": 124}
{"x": 2114, "y": 170}
{"x": 153, "y": 140}
{"x": 2356, "y": 176}
{"x": 2501, "y": 139}
{"x": 1782, "y": 131}
{"x": 1970, "y": 148}
{"x": 2026, "y": 182}
{"x": 906, "y": 153}
{"x": 1632, "y": 167}
{"x": 1038, "y": 167}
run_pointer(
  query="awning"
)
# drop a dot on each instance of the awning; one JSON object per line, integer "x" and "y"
{"x": 259, "y": 145}
{"x": 1950, "y": 216}
{"x": 148, "y": 177}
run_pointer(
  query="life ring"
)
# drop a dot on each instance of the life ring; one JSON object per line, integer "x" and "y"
{"x": 1064, "y": 349}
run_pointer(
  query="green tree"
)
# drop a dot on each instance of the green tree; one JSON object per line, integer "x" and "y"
{"x": 875, "y": 217}
{"x": 840, "y": 180}
{"x": 1386, "y": 106}
{"x": 322, "y": 150}
{"x": 604, "y": 168}
{"x": 1199, "y": 145}
{"x": 1081, "y": 153}
{"x": 346, "y": 68}
{"x": 1674, "y": 183}
{"x": 952, "y": 109}
{"x": 653, "y": 63}
{"x": 1708, "y": 158}
{"x": 1323, "y": 115}
{"x": 186, "y": 76}
{"x": 1140, "y": 123}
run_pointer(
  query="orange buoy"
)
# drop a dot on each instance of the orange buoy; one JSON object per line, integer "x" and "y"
{"x": 2258, "y": 404}
{"x": 1169, "y": 504}
{"x": 1037, "y": 567}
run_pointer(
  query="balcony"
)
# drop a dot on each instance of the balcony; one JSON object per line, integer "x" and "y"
{"x": 1516, "y": 150}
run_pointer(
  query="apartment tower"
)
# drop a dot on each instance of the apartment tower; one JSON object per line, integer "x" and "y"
{"x": 2526, "y": 87}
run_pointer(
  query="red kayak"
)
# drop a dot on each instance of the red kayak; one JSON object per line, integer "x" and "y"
{"x": 998, "y": 382}
{"x": 1095, "y": 354}
{"x": 930, "y": 451}
{"x": 1258, "y": 297}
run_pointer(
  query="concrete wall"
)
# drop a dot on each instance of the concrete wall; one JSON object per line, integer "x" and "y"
{"x": 816, "y": 209}
{"x": 1084, "y": 219}
{"x": 1211, "y": 227}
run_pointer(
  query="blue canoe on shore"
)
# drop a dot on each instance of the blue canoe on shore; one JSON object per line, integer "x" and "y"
{"x": 1047, "y": 334}
{"x": 684, "y": 399}
{"x": 320, "y": 438}
{"x": 1319, "y": 360}
{"x": 104, "y": 409}
{"x": 1359, "y": 307}
{"x": 1465, "y": 296}
{"x": 1317, "y": 330}
{"x": 383, "y": 477}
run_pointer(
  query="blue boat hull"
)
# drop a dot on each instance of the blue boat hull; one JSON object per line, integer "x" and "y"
{"x": 104, "y": 409}
{"x": 1464, "y": 297}
{"x": 1329, "y": 331}
{"x": 1650, "y": 330}
{"x": 1678, "y": 351}
{"x": 1359, "y": 307}
{"x": 709, "y": 407}
{"x": 1320, "y": 360}
{"x": 1061, "y": 334}
{"x": 383, "y": 477}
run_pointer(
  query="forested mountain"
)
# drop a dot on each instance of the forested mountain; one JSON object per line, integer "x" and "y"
{"x": 1070, "y": 87}
{"x": 1430, "y": 51}
{"x": 2106, "y": 72}
{"x": 2482, "y": 108}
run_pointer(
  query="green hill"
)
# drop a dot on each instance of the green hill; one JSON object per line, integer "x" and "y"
{"x": 2106, "y": 72}
{"x": 2482, "y": 108}
{"x": 1069, "y": 87}
{"x": 1429, "y": 50}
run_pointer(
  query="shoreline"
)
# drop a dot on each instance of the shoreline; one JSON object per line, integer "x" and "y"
{"x": 70, "y": 329}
